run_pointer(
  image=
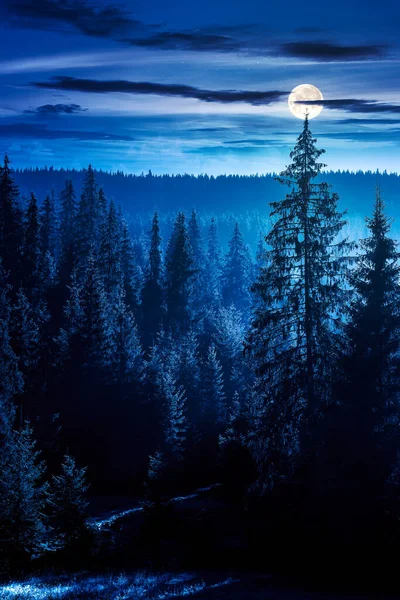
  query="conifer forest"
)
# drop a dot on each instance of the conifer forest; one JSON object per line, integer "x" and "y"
{"x": 199, "y": 300}
{"x": 157, "y": 364}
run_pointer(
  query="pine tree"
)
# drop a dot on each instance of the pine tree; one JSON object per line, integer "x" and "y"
{"x": 152, "y": 297}
{"x": 195, "y": 240}
{"x": 11, "y": 225}
{"x": 26, "y": 333}
{"x": 88, "y": 218}
{"x": 23, "y": 497}
{"x": 214, "y": 399}
{"x": 176, "y": 424}
{"x": 237, "y": 272}
{"x": 68, "y": 239}
{"x": 127, "y": 356}
{"x": 68, "y": 498}
{"x": 213, "y": 268}
{"x": 131, "y": 273}
{"x": 32, "y": 250}
{"x": 179, "y": 275}
{"x": 298, "y": 298}
{"x": 110, "y": 250}
{"x": 369, "y": 388}
{"x": 11, "y": 381}
{"x": 48, "y": 225}
{"x": 94, "y": 331}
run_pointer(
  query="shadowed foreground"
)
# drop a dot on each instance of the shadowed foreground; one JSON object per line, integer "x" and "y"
{"x": 147, "y": 586}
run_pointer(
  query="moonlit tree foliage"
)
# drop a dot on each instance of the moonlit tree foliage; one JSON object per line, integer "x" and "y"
{"x": 176, "y": 424}
{"x": 11, "y": 224}
{"x": 152, "y": 294}
{"x": 131, "y": 342}
{"x": 237, "y": 272}
{"x": 69, "y": 503}
{"x": 298, "y": 298}
{"x": 213, "y": 267}
{"x": 368, "y": 389}
{"x": 179, "y": 274}
{"x": 23, "y": 497}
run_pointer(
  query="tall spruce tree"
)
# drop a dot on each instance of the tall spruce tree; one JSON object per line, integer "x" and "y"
{"x": 68, "y": 236}
{"x": 126, "y": 354}
{"x": 23, "y": 498}
{"x": 32, "y": 251}
{"x": 94, "y": 332}
{"x": 298, "y": 298}
{"x": 179, "y": 274}
{"x": 237, "y": 272}
{"x": 11, "y": 224}
{"x": 368, "y": 392}
{"x": 152, "y": 293}
{"x": 213, "y": 267}
{"x": 68, "y": 499}
{"x": 130, "y": 272}
{"x": 48, "y": 225}
{"x": 88, "y": 218}
{"x": 110, "y": 250}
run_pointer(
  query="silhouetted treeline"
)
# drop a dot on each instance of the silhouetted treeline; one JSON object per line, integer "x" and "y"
{"x": 223, "y": 193}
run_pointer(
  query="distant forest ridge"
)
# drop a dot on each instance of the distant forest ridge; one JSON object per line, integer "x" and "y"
{"x": 222, "y": 193}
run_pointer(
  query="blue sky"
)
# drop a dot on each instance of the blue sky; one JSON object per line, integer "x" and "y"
{"x": 196, "y": 87}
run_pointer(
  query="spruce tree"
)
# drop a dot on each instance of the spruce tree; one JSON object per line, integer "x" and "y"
{"x": 11, "y": 381}
{"x": 48, "y": 225}
{"x": 67, "y": 241}
{"x": 176, "y": 422}
{"x": 11, "y": 224}
{"x": 94, "y": 333}
{"x": 179, "y": 274}
{"x": 32, "y": 251}
{"x": 110, "y": 250}
{"x": 68, "y": 499}
{"x": 127, "y": 357}
{"x": 237, "y": 272}
{"x": 88, "y": 218}
{"x": 214, "y": 399}
{"x": 23, "y": 498}
{"x": 299, "y": 294}
{"x": 213, "y": 268}
{"x": 152, "y": 295}
{"x": 130, "y": 272}
{"x": 364, "y": 436}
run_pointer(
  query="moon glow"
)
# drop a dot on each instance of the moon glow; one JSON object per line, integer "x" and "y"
{"x": 302, "y": 92}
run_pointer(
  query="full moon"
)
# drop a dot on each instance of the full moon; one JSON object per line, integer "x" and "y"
{"x": 302, "y": 92}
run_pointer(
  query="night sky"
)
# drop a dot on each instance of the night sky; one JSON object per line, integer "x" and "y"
{"x": 197, "y": 87}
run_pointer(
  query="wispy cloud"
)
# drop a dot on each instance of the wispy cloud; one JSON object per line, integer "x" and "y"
{"x": 182, "y": 40}
{"x": 105, "y": 21}
{"x": 327, "y": 51}
{"x": 255, "y": 98}
{"x": 355, "y": 105}
{"x": 57, "y": 109}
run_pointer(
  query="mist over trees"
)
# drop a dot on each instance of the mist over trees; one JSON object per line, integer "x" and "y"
{"x": 152, "y": 354}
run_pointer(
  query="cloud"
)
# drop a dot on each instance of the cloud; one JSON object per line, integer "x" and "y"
{"x": 326, "y": 51}
{"x": 29, "y": 130}
{"x": 56, "y": 109}
{"x": 106, "y": 21}
{"x": 255, "y": 98}
{"x": 354, "y": 105}
{"x": 195, "y": 41}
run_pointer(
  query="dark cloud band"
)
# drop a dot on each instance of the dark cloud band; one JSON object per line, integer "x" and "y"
{"x": 70, "y": 84}
{"x": 326, "y": 51}
{"x": 57, "y": 109}
{"x": 354, "y": 105}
